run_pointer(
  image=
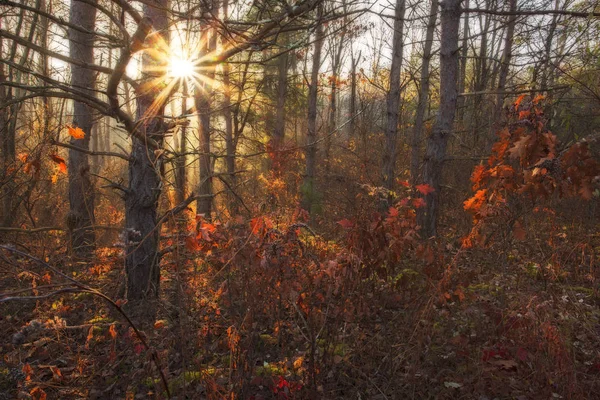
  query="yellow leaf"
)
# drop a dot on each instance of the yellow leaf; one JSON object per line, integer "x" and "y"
{"x": 76, "y": 132}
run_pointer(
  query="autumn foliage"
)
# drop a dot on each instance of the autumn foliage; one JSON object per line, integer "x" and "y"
{"x": 528, "y": 167}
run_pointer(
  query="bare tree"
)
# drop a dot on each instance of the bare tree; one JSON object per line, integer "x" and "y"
{"x": 424, "y": 84}
{"x": 438, "y": 139}
{"x": 81, "y": 190}
{"x": 309, "y": 184}
{"x": 393, "y": 99}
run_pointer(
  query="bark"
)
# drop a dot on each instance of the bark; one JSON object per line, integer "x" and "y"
{"x": 464, "y": 52}
{"x": 438, "y": 140}
{"x": 282, "y": 74}
{"x": 229, "y": 137}
{"x": 352, "y": 108}
{"x": 423, "y": 94}
{"x": 145, "y": 171}
{"x": 203, "y": 106}
{"x": 180, "y": 161}
{"x": 505, "y": 62}
{"x": 81, "y": 191}
{"x": 393, "y": 99}
{"x": 337, "y": 49}
{"x": 309, "y": 186}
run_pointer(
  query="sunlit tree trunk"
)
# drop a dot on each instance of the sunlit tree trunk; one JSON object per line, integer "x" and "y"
{"x": 337, "y": 47}
{"x": 393, "y": 99}
{"x": 81, "y": 191}
{"x": 309, "y": 184}
{"x": 438, "y": 139}
{"x": 145, "y": 171}
{"x": 423, "y": 94}
{"x": 229, "y": 136}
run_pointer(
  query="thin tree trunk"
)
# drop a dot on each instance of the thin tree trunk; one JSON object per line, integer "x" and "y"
{"x": 280, "y": 116}
{"x": 229, "y": 139}
{"x": 145, "y": 171}
{"x": 180, "y": 161}
{"x": 505, "y": 62}
{"x": 438, "y": 140}
{"x": 464, "y": 53}
{"x": 332, "y": 122}
{"x": 352, "y": 109}
{"x": 309, "y": 184}
{"x": 81, "y": 191}
{"x": 423, "y": 94}
{"x": 393, "y": 100}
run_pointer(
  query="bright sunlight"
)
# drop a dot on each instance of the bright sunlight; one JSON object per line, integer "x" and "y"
{"x": 180, "y": 68}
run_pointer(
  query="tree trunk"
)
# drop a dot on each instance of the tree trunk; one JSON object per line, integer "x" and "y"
{"x": 423, "y": 94}
{"x": 464, "y": 53}
{"x": 180, "y": 161}
{"x": 229, "y": 139}
{"x": 505, "y": 62}
{"x": 438, "y": 139}
{"x": 308, "y": 186}
{"x": 203, "y": 100}
{"x": 279, "y": 131}
{"x": 145, "y": 171}
{"x": 393, "y": 100}
{"x": 81, "y": 191}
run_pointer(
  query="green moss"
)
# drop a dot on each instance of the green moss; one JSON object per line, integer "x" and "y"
{"x": 269, "y": 370}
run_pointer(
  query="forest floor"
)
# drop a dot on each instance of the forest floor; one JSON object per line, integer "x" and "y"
{"x": 488, "y": 324}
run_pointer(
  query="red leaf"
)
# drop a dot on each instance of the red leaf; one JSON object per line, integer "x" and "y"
{"x": 522, "y": 354}
{"x": 403, "y": 183}
{"x": 192, "y": 244}
{"x": 419, "y": 202}
{"x": 425, "y": 189}
{"x": 346, "y": 223}
{"x": 393, "y": 212}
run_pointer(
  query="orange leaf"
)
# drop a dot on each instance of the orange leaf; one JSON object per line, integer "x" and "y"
{"x": 524, "y": 114}
{"x": 62, "y": 165}
{"x": 425, "y": 189}
{"x": 76, "y": 132}
{"x": 56, "y": 374}
{"x": 538, "y": 98}
{"x": 37, "y": 393}
{"x": 113, "y": 331}
{"x": 519, "y": 100}
{"x": 475, "y": 202}
{"x": 192, "y": 244}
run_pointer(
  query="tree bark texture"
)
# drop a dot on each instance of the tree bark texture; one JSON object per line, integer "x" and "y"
{"x": 438, "y": 139}
{"x": 81, "y": 190}
{"x": 309, "y": 186}
{"x": 424, "y": 84}
{"x": 145, "y": 172}
{"x": 393, "y": 99}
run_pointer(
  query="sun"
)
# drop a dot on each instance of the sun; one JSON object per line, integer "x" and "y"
{"x": 181, "y": 68}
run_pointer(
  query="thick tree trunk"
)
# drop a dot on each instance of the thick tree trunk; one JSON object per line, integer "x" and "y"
{"x": 81, "y": 191}
{"x": 423, "y": 94}
{"x": 145, "y": 171}
{"x": 393, "y": 99}
{"x": 438, "y": 139}
{"x": 308, "y": 186}
{"x": 203, "y": 100}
